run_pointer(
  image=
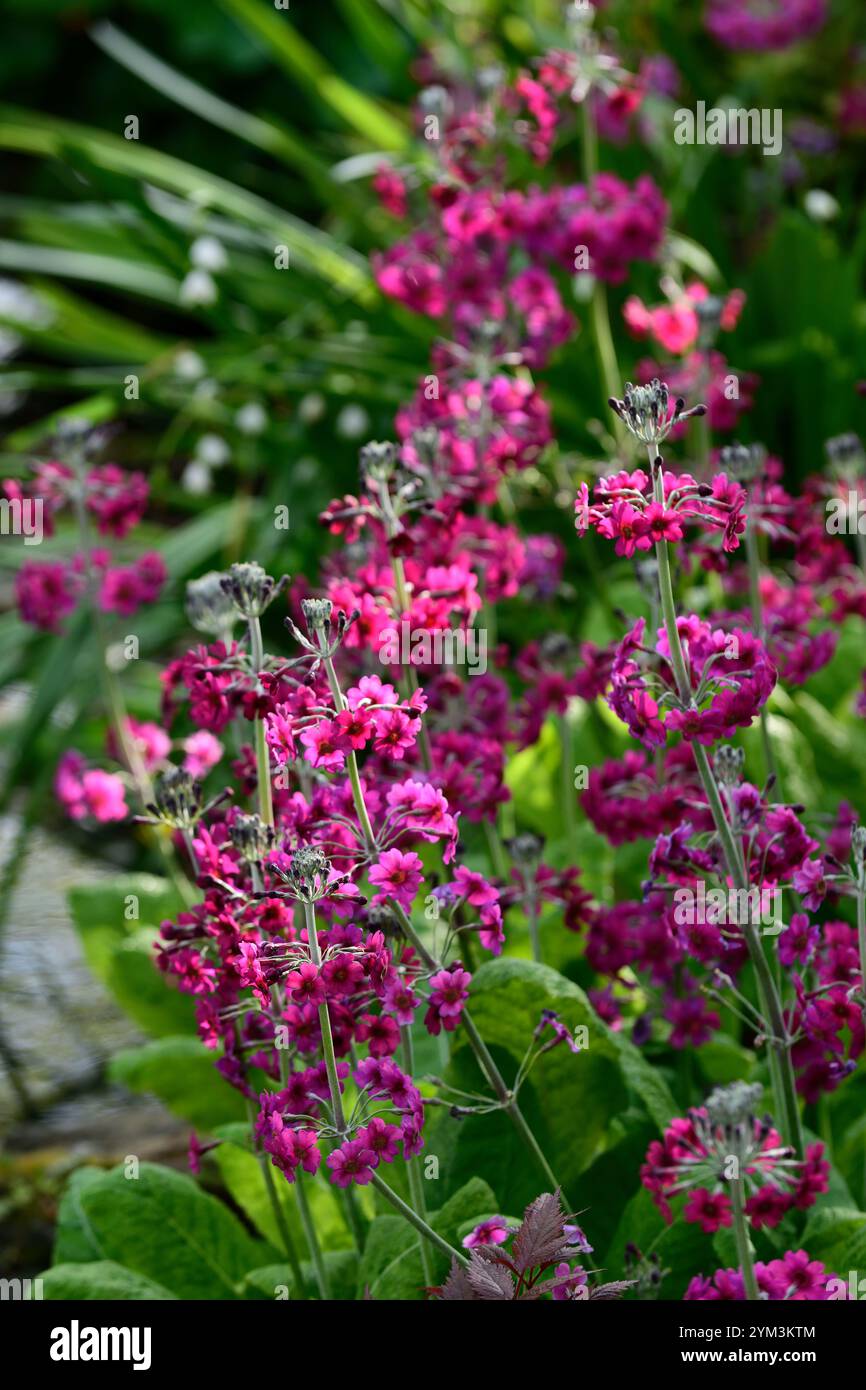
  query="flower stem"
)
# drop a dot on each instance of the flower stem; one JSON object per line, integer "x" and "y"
{"x": 325, "y": 1025}
{"x": 757, "y": 607}
{"x": 417, "y": 1221}
{"x": 309, "y": 1226}
{"x": 781, "y": 1069}
{"x": 416, "y": 1184}
{"x": 263, "y": 760}
{"x": 861, "y": 933}
{"x": 351, "y": 760}
{"x": 600, "y": 317}
{"x": 744, "y": 1244}
{"x": 507, "y": 1099}
{"x": 279, "y": 1218}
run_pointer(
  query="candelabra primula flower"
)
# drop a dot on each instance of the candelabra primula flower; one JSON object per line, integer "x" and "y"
{"x": 795, "y": 1277}
{"x": 731, "y": 679}
{"x": 676, "y": 326}
{"x": 726, "y": 1141}
{"x": 622, "y": 507}
{"x": 89, "y": 792}
{"x": 763, "y": 25}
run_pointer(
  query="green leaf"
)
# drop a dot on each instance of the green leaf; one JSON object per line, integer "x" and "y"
{"x": 263, "y": 134}
{"x": 341, "y": 1267}
{"x": 151, "y": 999}
{"x": 310, "y": 70}
{"x": 837, "y": 1237}
{"x": 99, "y": 913}
{"x": 568, "y": 1100}
{"x": 341, "y": 268}
{"x": 683, "y": 1248}
{"x": 162, "y": 1226}
{"x": 241, "y": 1171}
{"x": 391, "y": 1265}
{"x": 75, "y": 1241}
{"x": 182, "y": 1073}
{"x": 104, "y": 1279}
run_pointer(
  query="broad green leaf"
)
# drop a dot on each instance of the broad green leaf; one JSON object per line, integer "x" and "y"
{"x": 241, "y": 1171}
{"x": 182, "y": 1073}
{"x": 273, "y": 1281}
{"x": 111, "y": 911}
{"x": 837, "y": 1237}
{"x": 391, "y": 1266}
{"x": 569, "y": 1100}
{"x": 102, "y": 1280}
{"x": 162, "y": 1226}
{"x": 151, "y": 999}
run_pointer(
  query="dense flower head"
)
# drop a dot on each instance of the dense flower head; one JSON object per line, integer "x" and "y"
{"x": 726, "y": 1141}
{"x": 761, "y": 25}
{"x": 794, "y": 1277}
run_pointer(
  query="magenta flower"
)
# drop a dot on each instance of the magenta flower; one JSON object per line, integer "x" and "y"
{"x": 494, "y": 1231}
{"x": 353, "y": 1162}
{"x": 306, "y": 985}
{"x": 397, "y": 876}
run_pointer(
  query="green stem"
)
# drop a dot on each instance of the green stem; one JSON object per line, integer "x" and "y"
{"x": 599, "y": 314}
{"x": 757, "y": 608}
{"x": 312, "y": 1239}
{"x": 417, "y": 1221}
{"x": 488, "y": 1066}
{"x": 781, "y": 1070}
{"x": 351, "y": 761}
{"x": 279, "y": 1218}
{"x": 567, "y": 782}
{"x": 506, "y": 1098}
{"x": 498, "y": 861}
{"x": 744, "y": 1244}
{"x": 861, "y": 933}
{"x": 402, "y": 594}
{"x": 263, "y": 758}
{"x": 416, "y": 1184}
{"x": 325, "y": 1025}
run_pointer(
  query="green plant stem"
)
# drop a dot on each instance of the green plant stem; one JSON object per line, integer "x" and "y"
{"x": 417, "y": 1221}
{"x": 506, "y": 1098}
{"x": 312, "y": 1239}
{"x": 599, "y": 313}
{"x": 861, "y": 934}
{"x": 325, "y": 1025}
{"x": 410, "y": 674}
{"x": 757, "y": 608}
{"x": 781, "y": 1069}
{"x": 270, "y": 1188}
{"x": 279, "y": 1218}
{"x": 567, "y": 782}
{"x": 488, "y": 1066}
{"x": 263, "y": 759}
{"x": 744, "y": 1244}
{"x": 416, "y": 1183}
{"x": 498, "y": 861}
{"x": 351, "y": 761}
{"x": 353, "y": 1216}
